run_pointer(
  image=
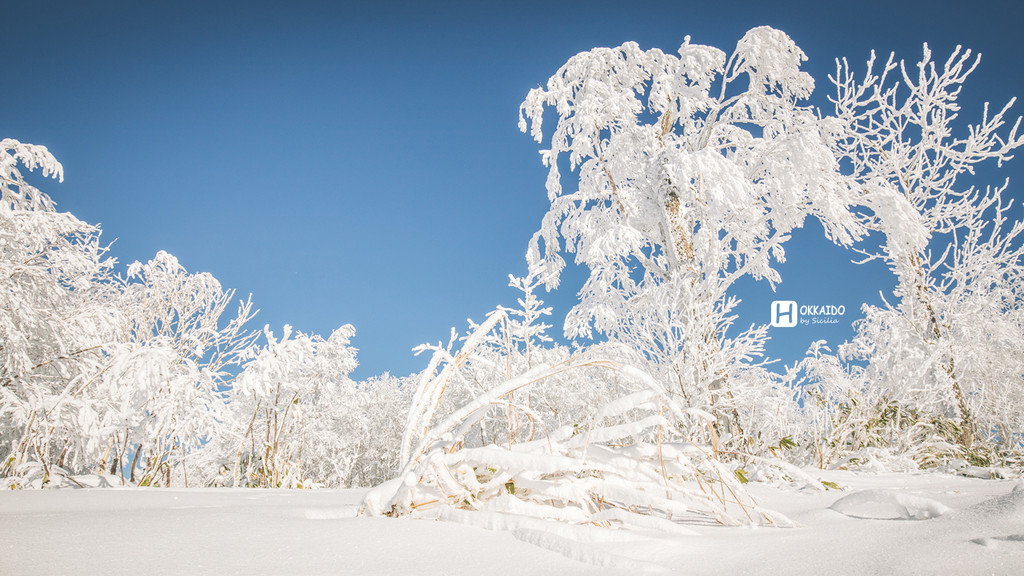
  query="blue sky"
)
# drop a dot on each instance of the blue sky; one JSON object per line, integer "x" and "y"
{"x": 360, "y": 163}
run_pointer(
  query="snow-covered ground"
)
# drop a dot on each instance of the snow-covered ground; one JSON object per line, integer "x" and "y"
{"x": 878, "y": 524}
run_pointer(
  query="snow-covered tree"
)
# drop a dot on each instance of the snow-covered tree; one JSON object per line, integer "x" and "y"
{"x": 943, "y": 347}
{"x": 176, "y": 356}
{"x": 56, "y": 318}
{"x": 100, "y": 373}
{"x": 848, "y": 421}
{"x": 693, "y": 171}
{"x": 15, "y": 192}
{"x": 296, "y": 419}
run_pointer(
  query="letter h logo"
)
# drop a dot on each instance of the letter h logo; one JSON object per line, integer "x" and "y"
{"x": 784, "y": 313}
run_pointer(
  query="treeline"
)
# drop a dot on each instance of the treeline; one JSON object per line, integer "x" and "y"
{"x": 688, "y": 173}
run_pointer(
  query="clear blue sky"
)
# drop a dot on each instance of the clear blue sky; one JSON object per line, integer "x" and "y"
{"x": 360, "y": 163}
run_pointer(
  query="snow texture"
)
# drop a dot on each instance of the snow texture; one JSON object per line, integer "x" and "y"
{"x": 254, "y": 532}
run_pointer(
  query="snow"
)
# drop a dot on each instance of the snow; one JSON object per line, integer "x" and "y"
{"x": 888, "y": 505}
{"x": 893, "y": 523}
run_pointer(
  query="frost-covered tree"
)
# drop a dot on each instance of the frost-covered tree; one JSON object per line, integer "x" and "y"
{"x": 849, "y": 421}
{"x": 296, "y": 419}
{"x": 147, "y": 376}
{"x": 176, "y": 356}
{"x": 56, "y": 318}
{"x": 101, "y": 373}
{"x": 693, "y": 171}
{"x": 15, "y": 192}
{"x": 944, "y": 347}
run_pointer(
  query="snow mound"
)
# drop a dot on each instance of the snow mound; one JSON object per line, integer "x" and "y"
{"x": 889, "y": 505}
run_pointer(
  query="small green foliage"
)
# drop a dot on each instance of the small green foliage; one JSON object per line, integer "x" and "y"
{"x": 830, "y": 485}
{"x": 511, "y": 487}
{"x": 741, "y": 475}
{"x": 982, "y": 456}
{"x": 785, "y": 443}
